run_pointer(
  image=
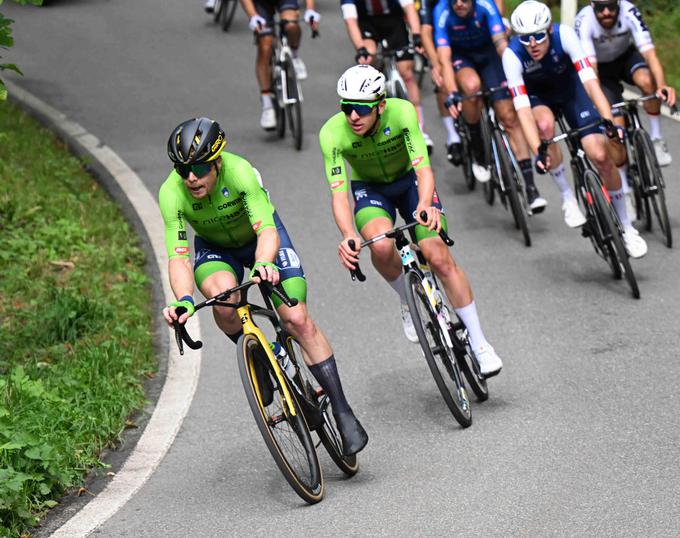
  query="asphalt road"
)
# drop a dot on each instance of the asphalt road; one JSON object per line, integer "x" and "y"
{"x": 581, "y": 433}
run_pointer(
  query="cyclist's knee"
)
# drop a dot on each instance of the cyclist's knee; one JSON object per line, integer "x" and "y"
{"x": 645, "y": 81}
{"x": 508, "y": 118}
{"x": 546, "y": 127}
{"x": 224, "y": 315}
{"x": 382, "y": 251}
{"x": 470, "y": 85}
{"x": 298, "y": 322}
{"x": 442, "y": 263}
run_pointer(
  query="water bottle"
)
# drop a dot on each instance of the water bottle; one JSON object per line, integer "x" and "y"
{"x": 284, "y": 361}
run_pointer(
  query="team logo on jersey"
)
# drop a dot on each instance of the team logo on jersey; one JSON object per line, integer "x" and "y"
{"x": 181, "y": 250}
{"x": 355, "y": 145}
{"x": 225, "y": 192}
{"x": 336, "y": 171}
{"x": 257, "y": 225}
{"x": 338, "y": 183}
{"x": 387, "y": 131}
{"x": 496, "y": 28}
{"x": 197, "y": 207}
{"x": 417, "y": 161}
{"x": 359, "y": 194}
{"x": 288, "y": 259}
{"x": 182, "y": 235}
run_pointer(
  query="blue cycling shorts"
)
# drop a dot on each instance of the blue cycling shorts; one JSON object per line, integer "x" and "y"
{"x": 488, "y": 65}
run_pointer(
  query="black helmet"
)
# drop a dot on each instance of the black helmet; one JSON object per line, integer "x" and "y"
{"x": 196, "y": 141}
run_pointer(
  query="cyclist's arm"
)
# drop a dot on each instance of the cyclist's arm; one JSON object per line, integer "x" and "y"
{"x": 268, "y": 243}
{"x": 586, "y": 73}
{"x": 584, "y": 30}
{"x": 500, "y": 6}
{"x": 426, "y": 31}
{"x": 249, "y": 7}
{"x": 494, "y": 22}
{"x": 656, "y": 68}
{"x": 336, "y": 174}
{"x": 444, "y": 55}
{"x": 351, "y": 17}
{"x": 513, "y": 72}
{"x": 443, "y": 46}
{"x": 425, "y": 186}
{"x": 411, "y": 15}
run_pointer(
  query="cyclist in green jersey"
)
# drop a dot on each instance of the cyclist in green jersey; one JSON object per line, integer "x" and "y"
{"x": 219, "y": 195}
{"x": 380, "y": 140}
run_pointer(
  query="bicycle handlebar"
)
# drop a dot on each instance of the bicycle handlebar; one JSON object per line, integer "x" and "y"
{"x": 181, "y": 333}
{"x": 543, "y": 148}
{"x": 356, "y": 273}
{"x": 642, "y": 99}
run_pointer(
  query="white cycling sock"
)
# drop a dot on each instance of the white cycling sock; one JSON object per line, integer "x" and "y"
{"x": 452, "y": 136}
{"x": 654, "y": 126}
{"x": 623, "y": 172}
{"x": 619, "y": 204}
{"x": 560, "y": 177}
{"x": 398, "y": 286}
{"x": 266, "y": 100}
{"x": 468, "y": 315}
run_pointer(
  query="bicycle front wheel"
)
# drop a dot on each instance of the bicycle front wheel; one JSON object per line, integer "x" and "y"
{"x": 611, "y": 234}
{"x": 327, "y": 429}
{"x": 652, "y": 184}
{"x": 511, "y": 183}
{"x": 489, "y": 187}
{"x": 294, "y": 104}
{"x": 439, "y": 356}
{"x": 286, "y": 434}
{"x": 227, "y": 14}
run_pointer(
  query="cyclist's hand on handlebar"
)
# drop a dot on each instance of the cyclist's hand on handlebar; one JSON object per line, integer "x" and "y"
{"x": 257, "y": 23}
{"x": 542, "y": 160}
{"x": 363, "y": 56}
{"x": 667, "y": 95}
{"x": 313, "y": 18}
{"x": 434, "y": 217}
{"x": 418, "y": 44}
{"x": 453, "y": 104}
{"x": 349, "y": 257}
{"x": 266, "y": 271}
{"x": 185, "y": 305}
{"x": 613, "y": 131}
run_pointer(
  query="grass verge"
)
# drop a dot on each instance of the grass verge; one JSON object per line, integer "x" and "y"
{"x": 74, "y": 319}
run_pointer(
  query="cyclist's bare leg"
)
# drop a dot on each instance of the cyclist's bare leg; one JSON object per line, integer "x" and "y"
{"x": 469, "y": 83}
{"x": 300, "y": 324}
{"x": 545, "y": 121}
{"x": 616, "y": 150}
{"x": 644, "y": 80}
{"x": 384, "y": 255}
{"x": 226, "y": 318}
{"x": 405, "y": 68}
{"x": 262, "y": 63}
{"x": 505, "y": 111}
{"x": 452, "y": 276}
{"x": 596, "y": 149}
{"x": 293, "y": 29}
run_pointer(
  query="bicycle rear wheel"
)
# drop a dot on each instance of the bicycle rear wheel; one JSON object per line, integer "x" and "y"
{"x": 611, "y": 231}
{"x": 327, "y": 431}
{"x": 286, "y": 435}
{"x": 512, "y": 190}
{"x": 439, "y": 356}
{"x": 228, "y": 10}
{"x": 652, "y": 185}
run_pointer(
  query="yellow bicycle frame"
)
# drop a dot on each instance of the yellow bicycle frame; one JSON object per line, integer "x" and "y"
{"x": 249, "y": 327}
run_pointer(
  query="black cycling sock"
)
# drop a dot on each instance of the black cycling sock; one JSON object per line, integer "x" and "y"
{"x": 528, "y": 172}
{"x": 326, "y": 373}
{"x": 234, "y": 337}
{"x": 477, "y": 144}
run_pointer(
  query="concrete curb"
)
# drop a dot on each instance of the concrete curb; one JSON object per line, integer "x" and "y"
{"x": 141, "y": 208}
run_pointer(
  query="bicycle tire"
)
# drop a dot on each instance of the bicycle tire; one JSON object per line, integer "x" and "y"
{"x": 511, "y": 182}
{"x": 328, "y": 432}
{"x": 488, "y": 187}
{"x": 467, "y": 362}
{"x": 279, "y": 107}
{"x": 309, "y": 486}
{"x": 217, "y": 10}
{"x": 426, "y": 324}
{"x": 293, "y": 110}
{"x": 652, "y": 182}
{"x": 227, "y": 15}
{"x": 608, "y": 222}
{"x": 468, "y": 176}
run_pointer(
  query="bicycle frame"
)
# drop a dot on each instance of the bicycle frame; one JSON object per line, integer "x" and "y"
{"x": 392, "y": 75}
{"x": 281, "y": 51}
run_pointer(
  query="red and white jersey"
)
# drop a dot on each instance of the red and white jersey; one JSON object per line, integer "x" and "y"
{"x": 602, "y": 45}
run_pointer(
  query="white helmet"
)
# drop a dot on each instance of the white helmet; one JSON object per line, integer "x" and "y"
{"x": 361, "y": 83}
{"x": 531, "y": 17}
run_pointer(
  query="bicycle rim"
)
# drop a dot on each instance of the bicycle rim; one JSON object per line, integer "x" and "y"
{"x": 287, "y": 437}
{"x": 228, "y": 12}
{"x": 612, "y": 235}
{"x": 653, "y": 185}
{"x": 444, "y": 369}
{"x": 328, "y": 432}
{"x": 217, "y": 10}
{"x": 511, "y": 183}
{"x": 294, "y": 109}
{"x": 468, "y": 362}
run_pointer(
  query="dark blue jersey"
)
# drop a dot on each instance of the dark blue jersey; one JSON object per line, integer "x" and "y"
{"x": 469, "y": 33}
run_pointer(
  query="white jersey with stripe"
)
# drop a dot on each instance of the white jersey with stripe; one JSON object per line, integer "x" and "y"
{"x": 602, "y": 45}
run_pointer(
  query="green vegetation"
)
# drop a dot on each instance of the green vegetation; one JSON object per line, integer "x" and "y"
{"x": 74, "y": 320}
{"x": 663, "y": 19}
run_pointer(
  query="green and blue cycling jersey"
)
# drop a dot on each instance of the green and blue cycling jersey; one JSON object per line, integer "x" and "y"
{"x": 383, "y": 165}
{"x": 227, "y": 223}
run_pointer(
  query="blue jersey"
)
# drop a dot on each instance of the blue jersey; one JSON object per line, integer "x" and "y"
{"x": 370, "y": 8}
{"x": 471, "y": 33}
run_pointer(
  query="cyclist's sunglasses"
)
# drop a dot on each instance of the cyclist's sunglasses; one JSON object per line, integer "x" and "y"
{"x": 611, "y": 6}
{"x": 540, "y": 37}
{"x": 199, "y": 170}
{"x": 362, "y": 109}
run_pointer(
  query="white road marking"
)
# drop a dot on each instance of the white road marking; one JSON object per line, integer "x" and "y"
{"x": 183, "y": 372}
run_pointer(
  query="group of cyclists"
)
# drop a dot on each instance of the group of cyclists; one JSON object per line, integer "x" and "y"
{"x": 544, "y": 69}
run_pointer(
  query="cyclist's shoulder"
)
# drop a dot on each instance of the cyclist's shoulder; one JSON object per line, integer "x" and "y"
{"x": 334, "y": 130}
{"x": 583, "y": 22}
{"x": 486, "y": 8}
{"x": 172, "y": 186}
{"x": 398, "y": 106}
{"x": 233, "y": 161}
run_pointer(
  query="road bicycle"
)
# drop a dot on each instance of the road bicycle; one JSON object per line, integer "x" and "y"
{"x": 224, "y": 12}
{"x": 287, "y": 90}
{"x": 386, "y": 58}
{"x": 602, "y": 226}
{"x": 286, "y": 408}
{"x": 442, "y": 336}
{"x": 644, "y": 171}
{"x": 506, "y": 175}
